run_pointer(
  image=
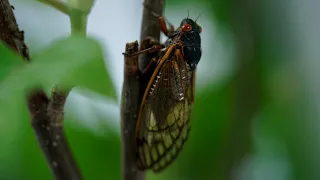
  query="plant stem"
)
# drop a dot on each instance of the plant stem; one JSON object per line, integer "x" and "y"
{"x": 78, "y": 21}
{"x": 61, "y": 6}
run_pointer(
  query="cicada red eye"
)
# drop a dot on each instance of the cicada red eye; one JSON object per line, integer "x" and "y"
{"x": 186, "y": 27}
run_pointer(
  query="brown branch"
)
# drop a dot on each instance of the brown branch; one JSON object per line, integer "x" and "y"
{"x": 133, "y": 87}
{"x": 129, "y": 113}
{"x": 150, "y": 26}
{"x": 46, "y": 115}
{"x": 9, "y": 31}
{"x": 48, "y": 126}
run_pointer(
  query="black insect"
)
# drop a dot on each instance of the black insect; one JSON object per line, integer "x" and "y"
{"x": 163, "y": 122}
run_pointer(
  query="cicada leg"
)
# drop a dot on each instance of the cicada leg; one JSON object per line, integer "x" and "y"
{"x": 152, "y": 49}
{"x": 150, "y": 65}
{"x": 148, "y": 45}
{"x": 150, "y": 59}
{"x": 162, "y": 22}
{"x": 163, "y": 26}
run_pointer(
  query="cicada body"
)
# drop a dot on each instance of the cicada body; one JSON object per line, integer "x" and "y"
{"x": 163, "y": 123}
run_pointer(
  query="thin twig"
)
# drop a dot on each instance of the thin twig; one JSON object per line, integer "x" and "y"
{"x": 129, "y": 114}
{"x": 46, "y": 115}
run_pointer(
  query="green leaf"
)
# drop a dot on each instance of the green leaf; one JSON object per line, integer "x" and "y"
{"x": 9, "y": 61}
{"x": 74, "y": 61}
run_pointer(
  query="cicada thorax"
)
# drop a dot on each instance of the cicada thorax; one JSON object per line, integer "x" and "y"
{"x": 190, "y": 40}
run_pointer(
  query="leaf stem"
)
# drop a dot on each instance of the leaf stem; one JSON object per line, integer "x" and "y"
{"x": 78, "y": 21}
{"x": 61, "y": 6}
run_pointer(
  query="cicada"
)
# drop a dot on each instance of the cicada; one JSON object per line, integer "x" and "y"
{"x": 163, "y": 122}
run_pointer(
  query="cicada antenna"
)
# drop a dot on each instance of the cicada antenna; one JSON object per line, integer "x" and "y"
{"x": 198, "y": 16}
{"x": 188, "y": 13}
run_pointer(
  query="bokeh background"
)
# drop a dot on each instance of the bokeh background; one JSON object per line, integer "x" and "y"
{"x": 256, "y": 114}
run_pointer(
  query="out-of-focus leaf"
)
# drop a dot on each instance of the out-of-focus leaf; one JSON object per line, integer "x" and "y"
{"x": 72, "y": 61}
{"x": 9, "y": 60}
{"x": 13, "y": 118}
{"x": 98, "y": 157}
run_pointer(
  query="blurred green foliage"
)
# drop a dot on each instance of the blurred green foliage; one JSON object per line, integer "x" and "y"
{"x": 280, "y": 135}
{"x": 9, "y": 61}
{"x": 69, "y": 59}
{"x": 76, "y": 60}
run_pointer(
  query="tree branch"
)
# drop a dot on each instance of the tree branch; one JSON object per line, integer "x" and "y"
{"x": 46, "y": 115}
{"x": 150, "y": 26}
{"x": 9, "y": 31}
{"x": 129, "y": 113}
{"x": 133, "y": 87}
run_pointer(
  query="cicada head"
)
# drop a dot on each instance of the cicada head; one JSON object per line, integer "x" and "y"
{"x": 192, "y": 42}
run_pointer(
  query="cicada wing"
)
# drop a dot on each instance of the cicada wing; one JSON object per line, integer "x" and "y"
{"x": 165, "y": 114}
